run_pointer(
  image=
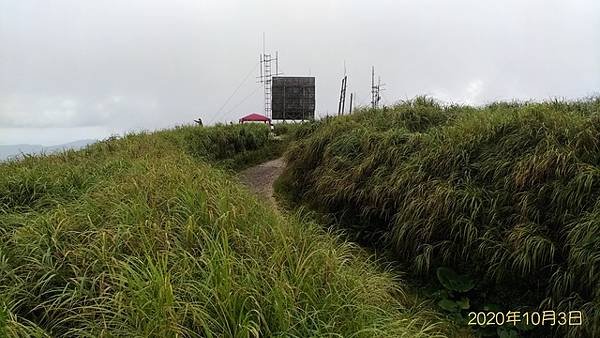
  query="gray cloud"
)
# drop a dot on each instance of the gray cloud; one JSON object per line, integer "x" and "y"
{"x": 70, "y": 67}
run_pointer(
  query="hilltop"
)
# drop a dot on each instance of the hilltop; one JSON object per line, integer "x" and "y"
{"x": 152, "y": 235}
{"x": 394, "y": 222}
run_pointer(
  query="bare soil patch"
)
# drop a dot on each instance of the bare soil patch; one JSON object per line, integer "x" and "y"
{"x": 260, "y": 178}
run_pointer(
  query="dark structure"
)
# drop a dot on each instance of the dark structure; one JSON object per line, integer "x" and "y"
{"x": 293, "y": 98}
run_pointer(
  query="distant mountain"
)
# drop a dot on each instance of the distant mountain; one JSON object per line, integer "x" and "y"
{"x": 14, "y": 151}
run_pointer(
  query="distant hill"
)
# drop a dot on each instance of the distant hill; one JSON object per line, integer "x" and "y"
{"x": 12, "y": 151}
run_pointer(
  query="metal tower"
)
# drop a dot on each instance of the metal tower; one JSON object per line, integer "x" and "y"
{"x": 266, "y": 76}
{"x": 375, "y": 90}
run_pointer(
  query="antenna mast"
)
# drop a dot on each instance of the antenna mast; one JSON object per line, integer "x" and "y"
{"x": 375, "y": 89}
{"x": 342, "y": 103}
{"x": 266, "y": 76}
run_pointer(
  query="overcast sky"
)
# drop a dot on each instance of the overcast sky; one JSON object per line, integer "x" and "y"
{"x": 72, "y": 69}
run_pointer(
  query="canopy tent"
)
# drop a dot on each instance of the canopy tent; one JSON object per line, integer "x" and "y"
{"x": 255, "y": 118}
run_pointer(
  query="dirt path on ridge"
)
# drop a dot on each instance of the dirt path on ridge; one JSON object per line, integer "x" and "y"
{"x": 260, "y": 178}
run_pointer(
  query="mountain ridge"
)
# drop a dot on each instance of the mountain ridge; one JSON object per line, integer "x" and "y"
{"x": 12, "y": 151}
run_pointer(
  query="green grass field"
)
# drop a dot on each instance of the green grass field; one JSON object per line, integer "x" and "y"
{"x": 489, "y": 208}
{"x": 151, "y": 235}
{"x": 507, "y": 194}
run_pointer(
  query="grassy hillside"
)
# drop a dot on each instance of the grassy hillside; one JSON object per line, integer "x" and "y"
{"x": 135, "y": 237}
{"x": 508, "y": 193}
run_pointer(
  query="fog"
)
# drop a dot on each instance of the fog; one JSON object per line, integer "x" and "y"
{"x": 74, "y": 70}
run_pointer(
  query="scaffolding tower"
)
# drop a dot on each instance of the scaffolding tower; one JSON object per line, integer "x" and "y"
{"x": 266, "y": 78}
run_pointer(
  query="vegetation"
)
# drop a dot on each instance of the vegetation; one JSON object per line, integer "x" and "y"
{"x": 134, "y": 237}
{"x": 508, "y": 193}
{"x": 287, "y": 128}
{"x": 233, "y": 146}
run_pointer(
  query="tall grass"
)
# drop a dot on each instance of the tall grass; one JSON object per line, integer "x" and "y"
{"x": 133, "y": 237}
{"x": 232, "y": 146}
{"x": 509, "y": 192}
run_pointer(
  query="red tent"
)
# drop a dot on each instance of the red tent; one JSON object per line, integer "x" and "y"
{"x": 255, "y": 118}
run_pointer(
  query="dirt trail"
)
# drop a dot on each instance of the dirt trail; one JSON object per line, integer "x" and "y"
{"x": 260, "y": 178}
